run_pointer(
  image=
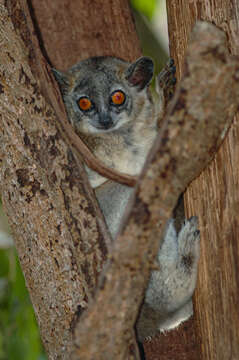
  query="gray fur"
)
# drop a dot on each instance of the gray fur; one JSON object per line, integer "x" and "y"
{"x": 124, "y": 145}
{"x": 126, "y": 142}
{"x": 113, "y": 198}
{"x": 168, "y": 297}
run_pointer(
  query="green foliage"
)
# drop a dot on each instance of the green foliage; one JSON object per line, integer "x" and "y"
{"x": 19, "y": 335}
{"x": 147, "y": 7}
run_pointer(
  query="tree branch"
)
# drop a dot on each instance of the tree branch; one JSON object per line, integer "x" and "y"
{"x": 41, "y": 71}
{"x": 93, "y": 162}
{"x": 214, "y": 197}
{"x": 199, "y": 116}
{"x": 59, "y": 231}
{"x": 61, "y": 239}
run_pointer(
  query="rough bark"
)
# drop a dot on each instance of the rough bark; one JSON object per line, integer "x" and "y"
{"x": 214, "y": 197}
{"x": 179, "y": 154}
{"x": 78, "y": 254}
{"x": 57, "y": 226}
{"x": 176, "y": 344}
{"x": 81, "y": 29}
{"x": 39, "y": 68}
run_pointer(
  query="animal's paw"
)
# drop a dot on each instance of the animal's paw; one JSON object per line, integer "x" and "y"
{"x": 168, "y": 296}
{"x": 172, "y": 287}
{"x": 180, "y": 250}
{"x": 188, "y": 245}
{"x": 166, "y": 79}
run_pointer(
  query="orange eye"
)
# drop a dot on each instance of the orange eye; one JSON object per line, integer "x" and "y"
{"x": 84, "y": 103}
{"x": 118, "y": 97}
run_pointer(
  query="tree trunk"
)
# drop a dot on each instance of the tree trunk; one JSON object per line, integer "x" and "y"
{"x": 75, "y": 30}
{"x": 214, "y": 197}
{"x": 58, "y": 228}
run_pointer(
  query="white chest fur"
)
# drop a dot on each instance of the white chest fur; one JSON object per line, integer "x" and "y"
{"x": 127, "y": 158}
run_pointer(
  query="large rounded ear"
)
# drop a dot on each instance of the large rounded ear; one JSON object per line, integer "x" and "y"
{"x": 140, "y": 73}
{"x": 62, "y": 79}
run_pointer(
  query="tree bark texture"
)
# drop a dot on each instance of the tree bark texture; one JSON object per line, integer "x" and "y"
{"x": 60, "y": 236}
{"x": 214, "y": 197}
{"x": 81, "y": 29}
{"x": 179, "y": 154}
{"x": 58, "y": 231}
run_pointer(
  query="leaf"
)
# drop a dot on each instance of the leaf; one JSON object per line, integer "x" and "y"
{"x": 147, "y": 7}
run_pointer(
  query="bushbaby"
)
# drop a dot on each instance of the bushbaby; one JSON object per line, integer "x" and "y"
{"x": 111, "y": 107}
